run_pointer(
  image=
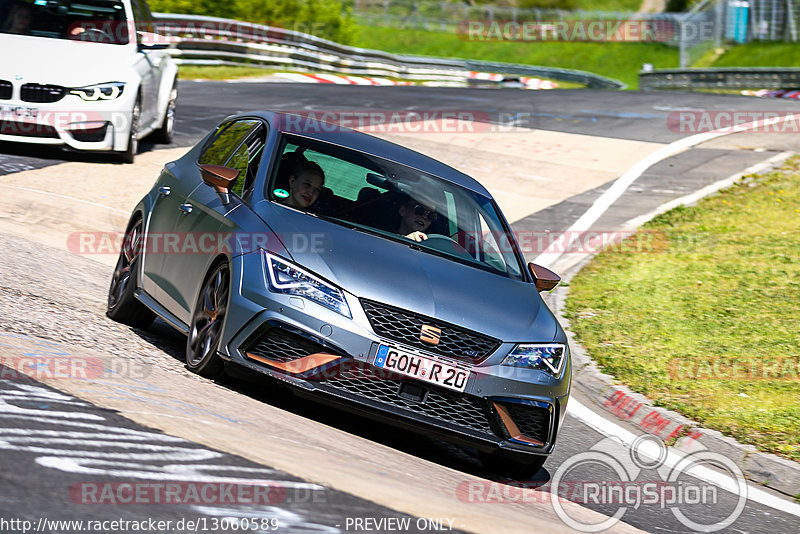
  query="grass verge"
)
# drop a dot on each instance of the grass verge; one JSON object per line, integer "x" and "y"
{"x": 222, "y": 72}
{"x": 704, "y": 320}
{"x": 620, "y": 61}
{"x": 760, "y": 54}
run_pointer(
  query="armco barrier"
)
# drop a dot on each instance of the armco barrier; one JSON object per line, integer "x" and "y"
{"x": 212, "y": 40}
{"x": 722, "y": 78}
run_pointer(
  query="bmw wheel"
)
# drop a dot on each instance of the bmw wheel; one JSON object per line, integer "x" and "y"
{"x": 129, "y": 154}
{"x": 122, "y": 304}
{"x": 167, "y": 128}
{"x": 205, "y": 329}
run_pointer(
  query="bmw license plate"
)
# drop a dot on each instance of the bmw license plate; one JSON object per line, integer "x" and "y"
{"x": 18, "y": 112}
{"x": 421, "y": 367}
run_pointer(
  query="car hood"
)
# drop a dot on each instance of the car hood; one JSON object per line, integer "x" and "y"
{"x": 386, "y": 271}
{"x": 64, "y": 62}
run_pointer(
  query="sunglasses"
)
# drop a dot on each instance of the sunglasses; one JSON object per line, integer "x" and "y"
{"x": 420, "y": 210}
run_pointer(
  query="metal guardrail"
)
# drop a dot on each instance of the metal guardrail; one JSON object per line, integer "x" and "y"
{"x": 212, "y": 40}
{"x": 722, "y": 78}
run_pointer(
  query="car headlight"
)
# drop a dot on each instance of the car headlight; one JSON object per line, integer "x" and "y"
{"x": 287, "y": 278}
{"x": 101, "y": 91}
{"x": 548, "y": 357}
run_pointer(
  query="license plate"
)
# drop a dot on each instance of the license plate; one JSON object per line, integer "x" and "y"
{"x": 420, "y": 367}
{"x": 19, "y": 112}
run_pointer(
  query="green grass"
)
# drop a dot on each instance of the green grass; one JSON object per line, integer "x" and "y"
{"x": 222, "y": 72}
{"x": 608, "y": 5}
{"x": 760, "y": 54}
{"x": 704, "y": 319}
{"x": 620, "y": 61}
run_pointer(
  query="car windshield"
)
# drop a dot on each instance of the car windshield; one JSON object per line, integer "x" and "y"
{"x": 393, "y": 201}
{"x": 96, "y": 21}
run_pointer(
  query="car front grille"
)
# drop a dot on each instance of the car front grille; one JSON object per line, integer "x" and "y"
{"x": 406, "y": 326}
{"x": 5, "y": 89}
{"x": 451, "y": 407}
{"x": 42, "y": 94}
{"x": 532, "y": 421}
{"x": 279, "y": 345}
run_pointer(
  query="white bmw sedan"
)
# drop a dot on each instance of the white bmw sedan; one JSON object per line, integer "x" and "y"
{"x": 84, "y": 74}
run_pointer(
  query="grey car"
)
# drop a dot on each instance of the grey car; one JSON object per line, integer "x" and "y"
{"x": 358, "y": 272}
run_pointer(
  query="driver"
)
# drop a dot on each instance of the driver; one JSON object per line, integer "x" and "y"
{"x": 19, "y": 19}
{"x": 415, "y": 218}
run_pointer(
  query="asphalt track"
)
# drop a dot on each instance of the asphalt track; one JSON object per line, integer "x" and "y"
{"x": 40, "y": 489}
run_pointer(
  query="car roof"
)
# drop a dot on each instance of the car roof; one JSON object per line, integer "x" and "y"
{"x": 361, "y": 142}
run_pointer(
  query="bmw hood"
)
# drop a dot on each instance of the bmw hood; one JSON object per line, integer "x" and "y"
{"x": 63, "y": 62}
{"x": 394, "y": 273}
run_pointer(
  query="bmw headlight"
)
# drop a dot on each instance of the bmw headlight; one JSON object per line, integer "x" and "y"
{"x": 287, "y": 278}
{"x": 548, "y": 357}
{"x": 100, "y": 91}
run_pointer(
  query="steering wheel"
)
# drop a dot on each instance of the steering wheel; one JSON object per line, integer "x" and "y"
{"x": 95, "y": 35}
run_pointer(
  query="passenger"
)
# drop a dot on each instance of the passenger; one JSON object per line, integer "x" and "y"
{"x": 19, "y": 19}
{"x": 305, "y": 185}
{"x": 415, "y": 218}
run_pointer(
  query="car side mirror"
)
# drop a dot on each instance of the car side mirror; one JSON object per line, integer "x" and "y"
{"x": 141, "y": 47}
{"x": 220, "y": 178}
{"x": 543, "y": 278}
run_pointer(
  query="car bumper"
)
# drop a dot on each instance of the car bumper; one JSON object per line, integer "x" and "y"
{"x": 330, "y": 357}
{"x": 96, "y": 126}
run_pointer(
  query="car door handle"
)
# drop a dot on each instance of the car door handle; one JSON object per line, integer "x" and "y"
{"x": 164, "y": 191}
{"x": 186, "y": 208}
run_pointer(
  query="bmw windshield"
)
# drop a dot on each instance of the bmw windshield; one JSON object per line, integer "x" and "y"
{"x": 396, "y": 202}
{"x": 97, "y": 21}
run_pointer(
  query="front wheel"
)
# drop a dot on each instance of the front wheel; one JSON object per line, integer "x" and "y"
{"x": 165, "y": 132}
{"x": 129, "y": 154}
{"x": 205, "y": 329}
{"x": 122, "y": 304}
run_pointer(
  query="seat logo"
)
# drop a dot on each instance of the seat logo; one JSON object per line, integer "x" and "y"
{"x": 430, "y": 334}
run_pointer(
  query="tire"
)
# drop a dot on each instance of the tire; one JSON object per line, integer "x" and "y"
{"x": 122, "y": 305}
{"x": 205, "y": 328}
{"x": 165, "y": 131}
{"x": 511, "y": 468}
{"x": 129, "y": 154}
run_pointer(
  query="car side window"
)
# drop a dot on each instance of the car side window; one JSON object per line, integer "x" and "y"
{"x": 246, "y": 159}
{"x": 237, "y": 145}
{"x": 225, "y": 141}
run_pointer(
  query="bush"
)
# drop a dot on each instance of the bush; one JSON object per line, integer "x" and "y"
{"x": 323, "y": 18}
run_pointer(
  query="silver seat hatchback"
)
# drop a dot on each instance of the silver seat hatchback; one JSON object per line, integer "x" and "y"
{"x": 358, "y": 272}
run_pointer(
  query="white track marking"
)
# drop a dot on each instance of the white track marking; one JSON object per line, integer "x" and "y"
{"x": 608, "y": 428}
{"x": 618, "y": 188}
{"x": 600, "y": 206}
